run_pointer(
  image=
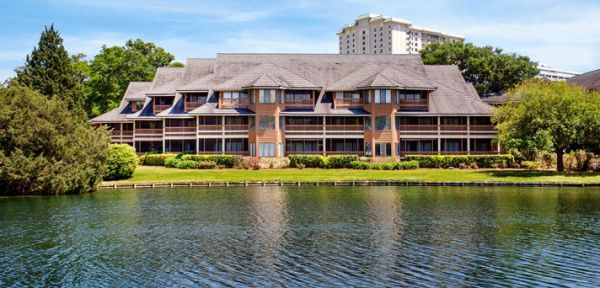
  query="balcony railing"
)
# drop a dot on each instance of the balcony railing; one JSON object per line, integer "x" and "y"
{"x": 189, "y": 106}
{"x": 453, "y": 127}
{"x": 148, "y": 131}
{"x": 219, "y": 127}
{"x": 159, "y": 108}
{"x": 288, "y": 152}
{"x": 419, "y": 104}
{"x": 418, "y": 127}
{"x": 483, "y": 152}
{"x": 187, "y": 129}
{"x": 295, "y": 127}
{"x": 344, "y": 127}
{"x": 343, "y": 103}
{"x": 234, "y": 102}
{"x": 243, "y": 153}
{"x": 404, "y": 153}
{"x": 482, "y": 128}
{"x": 299, "y": 102}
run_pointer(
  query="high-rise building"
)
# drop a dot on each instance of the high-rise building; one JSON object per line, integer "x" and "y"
{"x": 553, "y": 74}
{"x": 378, "y": 34}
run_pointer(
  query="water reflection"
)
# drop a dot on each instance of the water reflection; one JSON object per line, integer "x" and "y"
{"x": 303, "y": 236}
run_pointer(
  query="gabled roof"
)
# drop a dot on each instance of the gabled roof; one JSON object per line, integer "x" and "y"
{"x": 453, "y": 96}
{"x": 589, "y": 80}
{"x": 136, "y": 91}
{"x": 390, "y": 77}
{"x": 165, "y": 81}
{"x": 373, "y": 75}
{"x": 267, "y": 75}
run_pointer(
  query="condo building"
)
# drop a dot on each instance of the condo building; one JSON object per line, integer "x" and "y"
{"x": 274, "y": 105}
{"x": 553, "y": 74}
{"x": 378, "y": 34}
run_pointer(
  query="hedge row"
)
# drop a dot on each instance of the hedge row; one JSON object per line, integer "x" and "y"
{"x": 181, "y": 163}
{"x": 227, "y": 161}
{"x": 459, "y": 161}
{"x": 318, "y": 161}
{"x": 155, "y": 159}
{"x": 404, "y": 165}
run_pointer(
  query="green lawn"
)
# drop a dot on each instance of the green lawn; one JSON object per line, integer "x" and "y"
{"x": 148, "y": 174}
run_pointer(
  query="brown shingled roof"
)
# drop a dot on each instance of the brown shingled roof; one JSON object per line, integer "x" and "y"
{"x": 589, "y": 80}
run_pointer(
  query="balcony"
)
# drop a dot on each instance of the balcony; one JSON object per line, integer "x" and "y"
{"x": 295, "y": 127}
{"x": 420, "y": 128}
{"x": 489, "y": 128}
{"x": 453, "y": 127}
{"x": 348, "y": 103}
{"x": 189, "y": 106}
{"x": 185, "y": 129}
{"x": 422, "y": 104}
{"x": 344, "y": 127}
{"x": 234, "y": 102}
{"x": 119, "y": 135}
{"x": 161, "y": 107}
{"x": 219, "y": 127}
{"x": 299, "y": 102}
{"x": 148, "y": 131}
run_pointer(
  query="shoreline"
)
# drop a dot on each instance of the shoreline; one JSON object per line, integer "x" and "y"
{"x": 339, "y": 183}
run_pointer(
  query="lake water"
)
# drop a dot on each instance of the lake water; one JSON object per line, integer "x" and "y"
{"x": 303, "y": 236}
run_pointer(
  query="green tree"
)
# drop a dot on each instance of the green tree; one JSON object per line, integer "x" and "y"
{"x": 46, "y": 149}
{"x": 50, "y": 70}
{"x": 488, "y": 68}
{"x": 177, "y": 64}
{"x": 114, "y": 67}
{"x": 121, "y": 162}
{"x": 548, "y": 116}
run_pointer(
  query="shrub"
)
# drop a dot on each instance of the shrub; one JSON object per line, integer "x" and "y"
{"x": 204, "y": 164}
{"x": 45, "y": 148}
{"x": 448, "y": 161}
{"x": 121, "y": 162}
{"x": 341, "y": 161}
{"x": 171, "y": 162}
{"x": 274, "y": 163}
{"x": 248, "y": 163}
{"x": 186, "y": 164}
{"x": 141, "y": 159}
{"x": 157, "y": 159}
{"x": 227, "y": 161}
{"x": 359, "y": 165}
{"x": 406, "y": 165}
{"x": 309, "y": 161}
{"x": 531, "y": 165}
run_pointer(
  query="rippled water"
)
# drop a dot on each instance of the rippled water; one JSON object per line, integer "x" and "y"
{"x": 301, "y": 236}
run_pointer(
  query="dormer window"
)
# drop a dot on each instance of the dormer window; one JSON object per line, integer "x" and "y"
{"x": 194, "y": 100}
{"x": 234, "y": 99}
{"x": 136, "y": 105}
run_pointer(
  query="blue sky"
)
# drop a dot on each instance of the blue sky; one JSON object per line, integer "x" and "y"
{"x": 563, "y": 34}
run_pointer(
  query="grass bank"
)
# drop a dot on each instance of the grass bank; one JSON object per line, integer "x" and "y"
{"x": 153, "y": 174}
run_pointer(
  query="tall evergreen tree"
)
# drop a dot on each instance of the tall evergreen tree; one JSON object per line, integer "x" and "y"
{"x": 50, "y": 70}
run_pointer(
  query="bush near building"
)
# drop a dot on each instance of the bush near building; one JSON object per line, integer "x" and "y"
{"x": 463, "y": 161}
{"x": 121, "y": 163}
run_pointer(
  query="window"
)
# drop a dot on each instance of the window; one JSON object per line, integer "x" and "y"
{"x": 383, "y": 97}
{"x": 382, "y": 122}
{"x": 266, "y": 150}
{"x": 383, "y": 149}
{"x": 266, "y": 96}
{"x": 408, "y": 96}
{"x": 368, "y": 151}
{"x": 266, "y": 122}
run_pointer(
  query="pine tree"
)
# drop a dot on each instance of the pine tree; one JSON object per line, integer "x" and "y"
{"x": 50, "y": 70}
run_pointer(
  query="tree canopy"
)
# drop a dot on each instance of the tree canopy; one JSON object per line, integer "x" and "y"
{"x": 46, "y": 149}
{"x": 541, "y": 115}
{"x": 114, "y": 67}
{"x": 50, "y": 70}
{"x": 488, "y": 68}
